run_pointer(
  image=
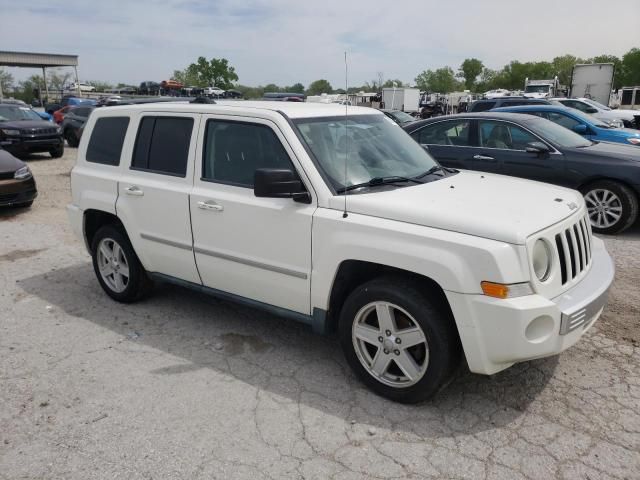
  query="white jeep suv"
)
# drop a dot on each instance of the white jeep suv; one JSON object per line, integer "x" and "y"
{"x": 342, "y": 222}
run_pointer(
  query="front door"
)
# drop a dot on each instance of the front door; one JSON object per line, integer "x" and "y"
{"x": 153, "y": 193}
{"x": 257, "y": 248}
{"x": 506, "y": 143}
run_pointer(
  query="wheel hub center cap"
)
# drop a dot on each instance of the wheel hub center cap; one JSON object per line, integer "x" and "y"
{"x": 388, "y": 343}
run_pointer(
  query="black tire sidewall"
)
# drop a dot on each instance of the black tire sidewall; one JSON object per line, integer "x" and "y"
{"x": 57, "y": 152}
{"x": 137, "y": 275}
{"x": 629, "y": 205}
{"x": 438, "y": 327}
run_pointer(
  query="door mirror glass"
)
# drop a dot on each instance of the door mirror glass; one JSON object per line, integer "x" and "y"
{"x": 278, "y": 183}
{"x": 537, "y": 147}
{"x": 580, "y": 129}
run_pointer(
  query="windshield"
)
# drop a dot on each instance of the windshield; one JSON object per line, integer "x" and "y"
{"x": 11, "y": 113}
{"x": 537, "y": 88}
{"x": 561, "y": 136}
{"x": 402, "y": 117}
{"x": 588, "y": 119}
{"x": 373, "y": 146}
{"x": 593, "y": 103}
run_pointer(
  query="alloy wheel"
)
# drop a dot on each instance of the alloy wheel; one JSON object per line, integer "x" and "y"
{"x": 604, "y": 207}
{"x": 390, "y": 344}
{"x": 113, "y": 265}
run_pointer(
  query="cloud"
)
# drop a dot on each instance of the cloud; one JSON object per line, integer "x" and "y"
{"x": 288, "y": 41}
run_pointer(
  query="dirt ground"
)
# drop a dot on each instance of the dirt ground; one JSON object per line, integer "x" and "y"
{"x": 185, "y": 386}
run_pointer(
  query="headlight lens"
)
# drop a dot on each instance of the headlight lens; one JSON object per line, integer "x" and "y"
{"x": 541, "y": 259}
{"x": 59, "y": 129}
{"x": 634, "y": 140}
{"x": 22, "y": 173}
{"x": 10, "y": 132}
{"x": 617, "y": 123}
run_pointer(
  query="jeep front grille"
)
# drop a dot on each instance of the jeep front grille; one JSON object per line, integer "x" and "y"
{"x": 574, "y": 249}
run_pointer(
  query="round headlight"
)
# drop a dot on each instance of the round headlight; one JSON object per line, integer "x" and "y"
{"x": 541, "y": 260}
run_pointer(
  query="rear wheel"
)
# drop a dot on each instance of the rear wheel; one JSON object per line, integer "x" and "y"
{"x": 612, "y": 207}
{"x": 71, "y": 138}
{"x": 399, "y": 341}
{"x": 120, "y": 273}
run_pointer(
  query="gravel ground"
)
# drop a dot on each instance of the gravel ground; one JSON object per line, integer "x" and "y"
{"x": 185, "y": 386}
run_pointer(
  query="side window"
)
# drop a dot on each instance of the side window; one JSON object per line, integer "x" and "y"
{"x": 504, "y": 136}
{"x": 564, "y": 120}
{"x": 233, "y": 151}
{"x": 538, "y": 114}
{"x": 107, "y": 137}
{"x": 454, "y": 133}
{"x": 577, "y": 105}
{"x": 483, "y": 106}
{"x": 162, "y": 145}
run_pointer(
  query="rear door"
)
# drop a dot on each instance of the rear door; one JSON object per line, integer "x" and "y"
{"x": 449, "y": 142}
{"x": 153, "y": 194}
{"x": 505, "y": 143}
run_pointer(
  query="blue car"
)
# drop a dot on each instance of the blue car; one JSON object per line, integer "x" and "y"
{"x": 585, "y": 125}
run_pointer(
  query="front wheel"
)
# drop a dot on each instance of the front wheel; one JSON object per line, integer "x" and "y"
{"x": 71, "y": 138}
{"x": 612, "y": 207}
{"x": 399, "y": 341}
{"x": 120, "y": 273}
{"x": 58, "y": 151}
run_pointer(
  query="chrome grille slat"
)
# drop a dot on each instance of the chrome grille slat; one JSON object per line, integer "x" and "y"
{"x": 574, "y": 249}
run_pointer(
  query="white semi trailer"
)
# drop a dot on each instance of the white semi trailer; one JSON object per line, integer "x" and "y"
{"x": 594, "y": 81}
{"x": 405, "y": 99}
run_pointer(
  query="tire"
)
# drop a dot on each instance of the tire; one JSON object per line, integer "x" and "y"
{"x": 58, "y": 151}
{"x": 24, "y": 205}
{"x": 137, "y": 284}
{"x": 606, "y": 199}
{"x": 71, "y": 138}
{"x": 432, "y": 360}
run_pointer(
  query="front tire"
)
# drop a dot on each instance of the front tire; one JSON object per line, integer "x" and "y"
{"x": 119, "y": 271}
{"x": 58, "y": 151}
{"x": 399, "y": 341}
{"x": 612, "y": 206}
{"x": 71, "y": 138}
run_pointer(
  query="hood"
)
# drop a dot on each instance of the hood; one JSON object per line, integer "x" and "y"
{"x": 620, "y": 151}
{"x": 21, "y": 124}
{"x": 9, "y": 163}
{"x": 623, "y": 132}
{"x": 536, "y": 94}
{"x": 491, "y": 206}
{"x": 617, "y": 114}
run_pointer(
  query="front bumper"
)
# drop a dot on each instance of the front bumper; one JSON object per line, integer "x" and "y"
{"x": 17, "y": 192}
{"x": 26, "y": 145}
{"x": 497, "y": 333}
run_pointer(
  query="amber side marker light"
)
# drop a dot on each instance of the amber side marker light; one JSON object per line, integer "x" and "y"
{"x": 501, "y": 290}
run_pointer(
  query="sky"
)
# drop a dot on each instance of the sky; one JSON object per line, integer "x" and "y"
{"x": 289, "y": 41}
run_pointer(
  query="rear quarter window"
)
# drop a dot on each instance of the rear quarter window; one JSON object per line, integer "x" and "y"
{"x": 107, "y": 138}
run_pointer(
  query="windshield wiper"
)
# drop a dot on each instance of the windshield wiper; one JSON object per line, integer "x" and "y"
{"x": 432, "y": 170}
{"x": 377, "y": 181}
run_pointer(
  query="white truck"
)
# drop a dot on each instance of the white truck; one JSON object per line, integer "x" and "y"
{"x": 541, "y": 88}
{"x": 593, "y": 81}
{"x": 344, "y": 223}
{"x": 405, "y": 99}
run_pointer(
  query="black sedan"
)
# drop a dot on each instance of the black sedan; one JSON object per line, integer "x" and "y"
{"x": 17, "y": 185}
{"x": 607, "y": 174}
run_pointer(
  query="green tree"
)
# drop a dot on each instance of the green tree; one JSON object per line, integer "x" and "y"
{"x": 204, "y": 73}
{"x": 295, "y": 88}
{"x": 319, "y": 86}
{"x": 442, "y": 80}
{"x": 272, "y": 87}
{"x": 391, "y": 83}
{"x": 6, "y": 81}
{"x": 630, "y": 68}
{"x": 250, "y": 92}
{"x": 563, "y": 67}
{"x": 102, "y": 86}
{"x": 469, "y": 70}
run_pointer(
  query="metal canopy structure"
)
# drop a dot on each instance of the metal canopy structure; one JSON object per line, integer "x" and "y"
{"x": 39, "y": 60}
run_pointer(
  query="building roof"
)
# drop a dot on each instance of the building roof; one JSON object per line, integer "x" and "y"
{"x": 36, "y": 60}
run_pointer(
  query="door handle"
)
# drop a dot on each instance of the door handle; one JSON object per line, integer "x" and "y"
{"x": 210, "y": 205}
{"x": 484, "y": 157}
{"x": 134, "y": 190}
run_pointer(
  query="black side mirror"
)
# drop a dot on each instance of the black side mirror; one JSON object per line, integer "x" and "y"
{"x": 591, "y": 110}
{"x": 537, "y": 147}
{"x": 279, "y": 183}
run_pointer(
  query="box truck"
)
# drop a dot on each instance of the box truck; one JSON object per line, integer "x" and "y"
{"x": 405, "y": 99}
{"x": 593, "y": 81}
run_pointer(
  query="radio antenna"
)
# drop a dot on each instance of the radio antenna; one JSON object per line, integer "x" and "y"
{"x": 346, "y": 136}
